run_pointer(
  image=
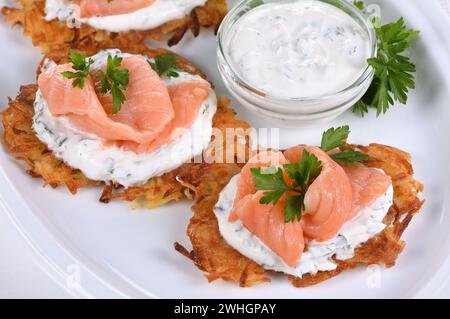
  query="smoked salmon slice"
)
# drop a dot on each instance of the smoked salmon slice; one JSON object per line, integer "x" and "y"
{"x": 147, "y": 119}
{"x": 267, "y": 221}
{"x": 147, "y": 110}
{"x": 328, "y": 200}
{"x": 187, "y": 98}
{"x": 367, "y": 184}
{"x": 245, "y": 184}
{"x": 101, "y": 8}
{"x": 147, "y": 106}
{"x": 334, "y": 198}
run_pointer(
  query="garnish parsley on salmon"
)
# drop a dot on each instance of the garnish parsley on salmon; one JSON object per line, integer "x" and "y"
{"x": 120, "y": 15}
{"x": 116, "y": 119}
{"x": 297, "y": 210}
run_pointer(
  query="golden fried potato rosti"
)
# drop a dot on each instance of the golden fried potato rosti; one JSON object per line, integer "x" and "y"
{"x": 218, "y": 260}
{"x": 22, "y": 143}
{"x": 210, "y": 252}
{"x": 50, "y": 35}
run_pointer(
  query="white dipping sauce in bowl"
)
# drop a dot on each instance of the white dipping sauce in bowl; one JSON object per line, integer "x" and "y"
{"x": 296, "y": 62}
{"x": 300, "y": 49}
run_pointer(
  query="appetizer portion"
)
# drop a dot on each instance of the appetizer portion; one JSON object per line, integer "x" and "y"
{"x": 126, "y": 120}
{"x": 113, "y": 117}
{"x": 308, "y": 212}
{"x": 120, "y": 15}
{"x": 57, "y": 23}
{"x": 343, "y": 207}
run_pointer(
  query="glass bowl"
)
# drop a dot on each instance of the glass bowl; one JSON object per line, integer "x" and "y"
{"x": 292, "y": 112}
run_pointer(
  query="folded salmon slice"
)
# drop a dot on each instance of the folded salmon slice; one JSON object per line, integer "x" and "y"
{"x": 148, "y": 106}
{"x": 101, "y": 8}
{"x": 334, "y": 198}
{"x": 368, "y": 184}
{"x": 146, "y": 120}
{"x": 328, "y": 200}
{"x": 267, "y": 221}
{"x": 245, "y": 184}
{"x": 187, "y": 98}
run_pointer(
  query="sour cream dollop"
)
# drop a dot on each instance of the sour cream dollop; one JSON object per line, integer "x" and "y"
{"x": 298, "y": 49}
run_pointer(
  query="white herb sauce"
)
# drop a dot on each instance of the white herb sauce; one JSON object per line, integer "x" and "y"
{"x": 319, "y": 255}
{"x": 298, "y": 49}
{"x": 158, "y": 13}
{"x": 87, "y": 152}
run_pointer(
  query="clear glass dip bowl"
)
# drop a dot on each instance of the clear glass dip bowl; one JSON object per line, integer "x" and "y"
{"x": 292, "y": 112}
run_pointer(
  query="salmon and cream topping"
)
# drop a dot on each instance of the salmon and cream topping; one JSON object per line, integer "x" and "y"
{"x": 120, "y": 15}
{"x": 300, "y": 232}
{"x": 162, "y": 123}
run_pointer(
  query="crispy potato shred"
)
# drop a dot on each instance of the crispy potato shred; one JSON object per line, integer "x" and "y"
{"x": 21, "y": 141}
{"x": 51, "y": 35}
{"x": 218, "y": 260}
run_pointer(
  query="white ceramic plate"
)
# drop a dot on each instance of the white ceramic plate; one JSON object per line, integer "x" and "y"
{"x": 116, "y": 252}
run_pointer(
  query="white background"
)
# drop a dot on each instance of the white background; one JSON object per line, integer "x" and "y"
{"x": 21, "y": 275}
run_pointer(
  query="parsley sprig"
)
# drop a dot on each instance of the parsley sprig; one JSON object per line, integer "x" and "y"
{"x": 272, "y": 181}
{"x": 334, "y": 138}
{"x": 337, "y": 137}
{"x": 81, "y": 65}
{"x": 274, "y": 185}
{"x": 165, "y": 65}
{"x": 115, "y": 81}
{"x": 303, "y": 174}
{"x": 393, "y": 71}
{"x": 349, "y": 157}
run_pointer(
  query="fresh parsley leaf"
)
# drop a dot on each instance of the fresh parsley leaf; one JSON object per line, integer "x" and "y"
{"x": 118, "y": 98}
{"x": 295, "y": 206}
{"x": 304, "y": 174}
{"x": 165, "y": 65}
{"x": 81, "y": 65}
{"x": 275, "y": 186}
{"x": 334, "y": 138}
{"x": 115, "y": 81}
{"x": 360, "y": 108}
{"x": 393, "y": 71}
{"x": 305, "y": 171}
{"x": 349, "y": 157}
{"x": 337, "y": 137}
